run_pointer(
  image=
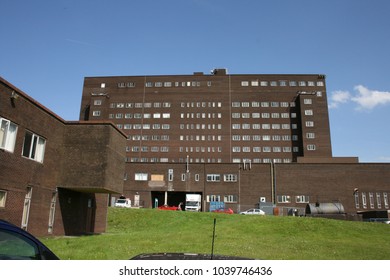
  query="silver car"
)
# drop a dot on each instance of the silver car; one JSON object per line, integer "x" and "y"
{"x": 253, "y": 211}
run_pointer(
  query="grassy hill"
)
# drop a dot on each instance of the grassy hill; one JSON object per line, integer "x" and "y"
{"x": 131, "y": 232}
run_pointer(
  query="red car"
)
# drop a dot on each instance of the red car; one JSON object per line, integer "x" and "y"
{"x": 225, "y": 211}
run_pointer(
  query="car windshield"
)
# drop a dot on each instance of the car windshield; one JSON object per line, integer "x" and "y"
{"x": 121, "y": 201}
{"x": 15, "y": 246}
{"x": 192, "y": 203}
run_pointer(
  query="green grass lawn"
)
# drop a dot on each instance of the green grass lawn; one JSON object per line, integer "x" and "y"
{"x": 134, "y": 231}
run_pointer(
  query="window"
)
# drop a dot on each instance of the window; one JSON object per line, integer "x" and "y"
{"x": 33, "y": 147}
{"x": 309, "y": 124}
{"x": 386, "y": 200}
{"x": 141, "y": 177}
{"x": 357, "y": 202}
{"x": 96, "y": 113}
{"x": 3, "y": 197}
{"x": 8, "y": 132}
{"x": 230, "y": 198}
{"x": 284, "y": 199}
{"x": 307, "y": 101}
{"x": 213, "y": 177}
{"x": 302, "y": 199}
{"x": 97, "y": 102}
{"x": 371, "y": 197}
{"x": 230, "y": 177}
{"x": 378, "y": 200}
{"x": 311, "y": 147}
{"x": 310, "y": 135}
{"x": 213, "y": 198}
{"x": 308, "y": 112}
{"x": 197, "y": 176}
{"x": 244, "y": 83}
{"x": 364, "y": 200}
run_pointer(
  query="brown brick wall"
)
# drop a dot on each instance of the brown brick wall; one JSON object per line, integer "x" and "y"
{"x": 320, "y": 182}
{"x": 96, "y": 150}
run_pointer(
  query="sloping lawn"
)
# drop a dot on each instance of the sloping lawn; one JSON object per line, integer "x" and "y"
{"x": 135, "y": 231}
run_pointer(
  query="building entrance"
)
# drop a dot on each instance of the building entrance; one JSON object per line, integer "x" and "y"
{"x": 160, "y": 198}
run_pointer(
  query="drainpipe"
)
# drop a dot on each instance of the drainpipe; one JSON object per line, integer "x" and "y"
{"x": 273, "y": 183}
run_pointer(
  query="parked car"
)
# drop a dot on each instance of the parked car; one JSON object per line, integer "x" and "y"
{"x": 18, "y": 244}
{"x": 253, "y": 211}
{"x": 225, "y": 211}
{"x": 123, "y": 202}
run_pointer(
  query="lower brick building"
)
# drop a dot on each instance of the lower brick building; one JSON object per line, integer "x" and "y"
{"x": 55, "y": 176}
{"x": 359, "y": 187}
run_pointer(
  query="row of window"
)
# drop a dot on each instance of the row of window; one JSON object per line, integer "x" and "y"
{"x": 202, "y": 104}
{"x": 145, "y": 149}
{"x": 256, "y": 83}
{"x": 289, "y": 199}
{"x": 238, "y": 149}
{"x": 33, "y": 145}
{"x": 164, "y": 160}
{"x": 264, "y": 115}
{"x": 371, "y": 200}
{"x": 135, "y": 116}
{"x": 268, "y": 126}
{"x": 141, "y": 176}
{"x": 144, "y": 126}
{"x": 253, "y": 83}
{"x": 207, "y": 160}
{"x": 148, "y": 137}
{"x": 213, "y": 126}
{"x": 138, "y": 105}
{"x": 226, "y": 198}
{"x": 286, "y": 137}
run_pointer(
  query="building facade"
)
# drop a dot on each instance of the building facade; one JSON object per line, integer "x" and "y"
{"x": 55, "y": 176}
{"x": 238, "y": 140}
{"x": 216, "y": 118}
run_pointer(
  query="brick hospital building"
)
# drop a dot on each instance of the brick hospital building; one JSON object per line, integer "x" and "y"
{"x": 240, "y": 141}
{"x": 234, "y": 139}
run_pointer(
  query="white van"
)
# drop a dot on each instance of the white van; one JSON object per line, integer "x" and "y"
{"x": 123, "y": 202}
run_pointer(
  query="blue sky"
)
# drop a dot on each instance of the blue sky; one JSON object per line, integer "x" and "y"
{"x": 48, "y": 47}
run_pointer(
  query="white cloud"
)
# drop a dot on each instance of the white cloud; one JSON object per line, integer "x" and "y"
{"x": 368, "y": 99}
{"x": 338, "y": 97}
{"x": 365, "y": 98}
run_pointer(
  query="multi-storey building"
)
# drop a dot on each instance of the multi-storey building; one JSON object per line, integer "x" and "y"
{"x": 235, "y": 139}
{"x": 218, "y": 118}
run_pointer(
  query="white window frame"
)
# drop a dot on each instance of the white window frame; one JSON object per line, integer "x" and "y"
{"x": 302, "y": 199}
{"x": 379, "y": 200}
{"x": 141, "y": 176}
{"x": 230, "y": 177}
{"x": 364, "y": 200}
{"x": 386, "y": 200}
{"x": 284, "y": 199}
{"x": 3, "y": 198}
{"x": 357, "y": 200}
{"x": 230, "y": 198}
{"x": 35, "y": 147}
{"x": 213, "y": 177}
{"x": 8, "y": 132}
{"x": 371, "y": 200}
